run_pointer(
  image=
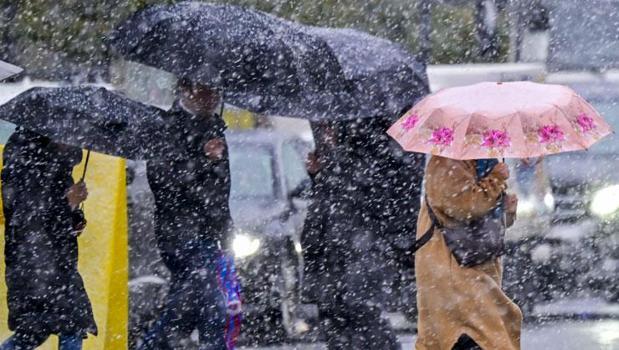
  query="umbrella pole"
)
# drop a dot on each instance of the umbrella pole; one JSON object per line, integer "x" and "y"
{"x": 84, "y": 173}
{"x": 221, "y": 108}
{"x": 85, "y": 166}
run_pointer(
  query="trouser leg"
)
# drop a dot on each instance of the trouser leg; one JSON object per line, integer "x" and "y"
{"x": 24, "y": 340}
{"x": 157, "y": 336}
{"x": 70, "y": 342}
{"x": 356, "y": 326}
{"x": 211, "y": 306}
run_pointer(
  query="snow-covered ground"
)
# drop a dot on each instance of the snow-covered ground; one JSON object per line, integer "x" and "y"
{"x": 596, "y": 328}
{"x": 560, "y": 335}
{"x": 581, "y": 307}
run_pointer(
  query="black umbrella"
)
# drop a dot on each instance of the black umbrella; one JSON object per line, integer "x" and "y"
{"x": 92, "y": 118}
{"x": 263, "y": 63}
{"x": 385, "y": 76}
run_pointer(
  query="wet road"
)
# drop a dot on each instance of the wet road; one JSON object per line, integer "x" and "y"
{"x": 555, "y": 335}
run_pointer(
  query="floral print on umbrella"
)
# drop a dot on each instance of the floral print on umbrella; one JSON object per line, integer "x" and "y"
{"x": 551, "y": 136}
{"x": 496, "y": 141}
{"x": 410, "y": 121}
{"x": 586, "y": 124}
{"x": 441, "y": 138}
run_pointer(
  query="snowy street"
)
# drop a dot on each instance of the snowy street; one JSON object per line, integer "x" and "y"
{"x": 570, "y": 324}
{"x": 561, "y": 335}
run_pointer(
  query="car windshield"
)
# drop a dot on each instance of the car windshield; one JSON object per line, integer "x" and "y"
{"x": 251, "y": 169}
{"x": 610, "y": 112}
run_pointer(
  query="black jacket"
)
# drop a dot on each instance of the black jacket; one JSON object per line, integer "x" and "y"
{"x": 191, "y": 192}
{"x": 363, "y": 211}
{"x": 45, "y": 289}
{"x": 388, "y": 181}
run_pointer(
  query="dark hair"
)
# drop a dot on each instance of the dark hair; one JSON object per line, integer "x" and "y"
{"x": 184, "y": 83}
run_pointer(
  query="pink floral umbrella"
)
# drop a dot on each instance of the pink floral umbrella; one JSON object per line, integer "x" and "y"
{"x": 500, "y": 120}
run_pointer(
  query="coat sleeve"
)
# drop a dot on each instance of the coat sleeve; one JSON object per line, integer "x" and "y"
{"x": 48, "y": 209}
{"x": 452, "y": 188}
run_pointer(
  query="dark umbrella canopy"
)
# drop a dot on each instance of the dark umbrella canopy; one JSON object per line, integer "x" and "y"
{"x": 386, "y": 78}
{"x": 92, "y": 118}
{"x": 263, "y": 63}
{"x": 8, "y": 70}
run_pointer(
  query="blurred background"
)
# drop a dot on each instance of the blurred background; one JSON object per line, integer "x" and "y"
{"x": 563, "y": 258}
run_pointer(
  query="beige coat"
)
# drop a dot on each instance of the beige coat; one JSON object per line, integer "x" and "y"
{"x": 455, "y": 300}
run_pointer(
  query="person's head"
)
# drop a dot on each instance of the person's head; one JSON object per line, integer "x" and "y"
{"x": 327, "y": 134}
{"x": 198, "y": 98}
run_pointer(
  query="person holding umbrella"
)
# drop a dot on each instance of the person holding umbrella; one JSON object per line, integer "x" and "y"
{"x": 333, "y": 241}
{"x": 190, "y": 180}
{"x": 192, "y": 219}
{"x": 462, "y": 222}
{"x": 41, "y": 204}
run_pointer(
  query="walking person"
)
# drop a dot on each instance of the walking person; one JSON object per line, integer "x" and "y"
{"x": 192, "y": 218}
{"x": 46, "y": 294}
{"x": 462, "y": 222}
{"x": 463, "y": 307}
{"x": 384, "y": 173}
{"x": 333, "y": 238}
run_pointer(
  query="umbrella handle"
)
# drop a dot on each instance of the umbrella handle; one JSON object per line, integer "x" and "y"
{"x": 221, "y": 108}
{"x": 84, "y": 173}
{"x": 85, "y": 166}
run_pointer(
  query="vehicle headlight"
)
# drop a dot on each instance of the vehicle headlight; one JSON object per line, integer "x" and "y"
{"x": 526, "y": 207}
{"x": 549, "y": 201}
{"x": 244, "y": 245}
{"x": 605, "y": 201}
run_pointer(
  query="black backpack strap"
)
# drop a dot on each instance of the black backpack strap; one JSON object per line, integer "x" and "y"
{"x": 428, "y": 235}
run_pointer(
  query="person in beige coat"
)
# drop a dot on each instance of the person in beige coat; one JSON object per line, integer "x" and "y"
{"x": 462, "y": 307}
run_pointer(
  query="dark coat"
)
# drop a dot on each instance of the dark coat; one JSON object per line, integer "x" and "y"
{"x": 388, "y": 181}
{"x": 364, "y": 204}
{"x": 328, "y": 231}
{"x": 45, "y": 289}
{"x": 191, "y": 193}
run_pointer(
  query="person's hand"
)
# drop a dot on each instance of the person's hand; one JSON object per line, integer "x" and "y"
{"x": 511, "y": 203}
{"x": 312, "y": 163}
{"x": 78, "y": 222}
{"x": 80, "y": 227}
{"x": 214, "y": 149}
{"x": 502, "y": 170}
{"x": 77, "y": 194}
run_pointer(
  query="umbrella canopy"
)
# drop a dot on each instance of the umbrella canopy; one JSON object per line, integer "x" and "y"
{"x": 92, "y": 118}
{"x": 8, "y": 70}
{"x": 263, "y": 64}
{"x": 500, "y": 120}
{"x": 386, "y": 78}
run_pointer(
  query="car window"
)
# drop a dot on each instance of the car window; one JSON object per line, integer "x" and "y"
{"x": 293, "y": 157}
{"x": 251, "y": 169}
{"x": 6, "y": 129}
